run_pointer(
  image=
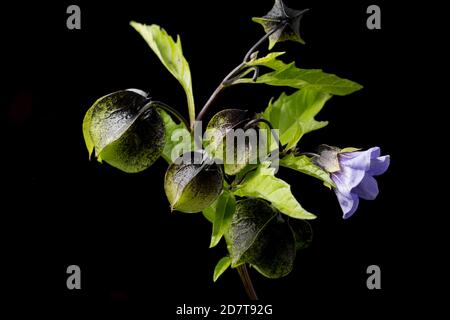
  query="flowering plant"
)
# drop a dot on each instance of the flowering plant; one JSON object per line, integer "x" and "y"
{"x": 233, "y": 184}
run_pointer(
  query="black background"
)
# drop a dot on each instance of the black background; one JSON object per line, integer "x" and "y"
{"x": 117, "y": 227}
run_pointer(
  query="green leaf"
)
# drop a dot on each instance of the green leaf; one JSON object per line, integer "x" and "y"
{"x": 124, "y": 130}
{"x": 209, "y": 213}
{"x": 181, "y": 136}
{"x": 221, "y": 267}
{"x": 288, "y": 75}
{"x": 304, "y": 165}
{"x": 268, "y": 60}
{"x": 171, "y": 55}
{"x": 263, "y": 184}
{"x": 224, "y": 208}
{"x": 294, "y": 115}
{"x": 259, "y": 235}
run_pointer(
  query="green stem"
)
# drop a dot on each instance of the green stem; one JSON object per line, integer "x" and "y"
{"x": 191, "y": 109}
{"x": 247, "y": 281}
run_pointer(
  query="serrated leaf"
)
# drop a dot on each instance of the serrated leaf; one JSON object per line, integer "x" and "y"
{"x": 221, "y": 267}
{"x": 171, "y": 55}
{"x": 294, "y": 114}
{"x": 289, "y": 75}
{"x": 176, "y": 136}
{"x": 259, "y": 235}
{"x": 263, "y": 184}
{"x": 304, "y": 165}
{"x": 223, "y": 209}
{"x": 124, "y": 130}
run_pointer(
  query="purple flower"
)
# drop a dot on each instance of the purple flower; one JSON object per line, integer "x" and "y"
{"x": 353, "y": 173}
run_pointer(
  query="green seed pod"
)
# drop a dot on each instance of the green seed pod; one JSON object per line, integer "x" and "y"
{"x": 124, "y": 130}
{"x": 260, "y": 235}
{"x": 192, "y": 183}
{"x": 220, "y": 134}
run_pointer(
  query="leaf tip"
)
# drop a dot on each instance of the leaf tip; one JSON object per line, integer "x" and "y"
{"x": 221, "y": 267}
{"x": 213, "y": 242}
{"x": 309, "y": 216}
{"x": 271, "y": 44}
{"x": 135, "y": 25}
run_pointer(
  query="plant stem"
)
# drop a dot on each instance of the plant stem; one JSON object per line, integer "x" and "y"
{"x": 247, "y": 281}
{"x": 234, "y": 72}
{"x": 216, "y": 92}
{"x": 260, "y": 41}
{"x": 267, "y": 122}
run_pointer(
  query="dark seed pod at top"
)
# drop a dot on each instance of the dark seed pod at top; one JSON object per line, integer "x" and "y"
{"x": 192, "y": 183}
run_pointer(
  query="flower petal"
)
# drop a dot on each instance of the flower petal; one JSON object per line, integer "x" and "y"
{"x": 374, "y": 152}
{"x": 368, "y": 188}
{"x": 349, "y": 203}
{"x": 379, "y": 165}
{"x": 359, "y": 159}
{"x": 347, "y": 179}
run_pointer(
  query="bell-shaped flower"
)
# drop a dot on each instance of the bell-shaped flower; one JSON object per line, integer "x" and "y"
{"x": 353, "y": 174}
